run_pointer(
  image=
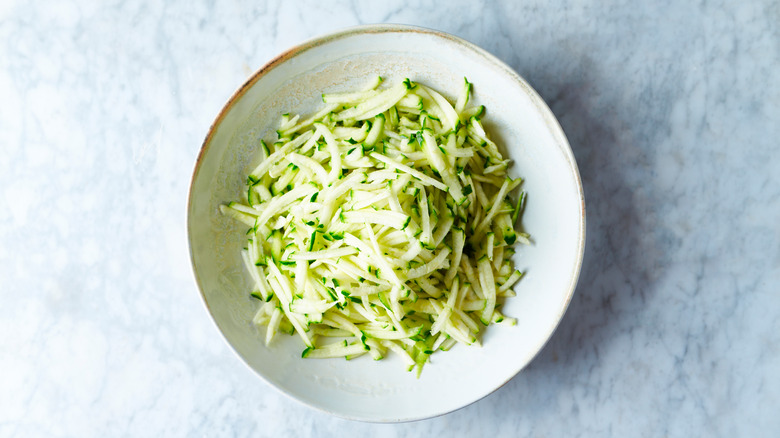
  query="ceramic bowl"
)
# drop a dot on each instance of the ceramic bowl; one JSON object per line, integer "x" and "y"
{"x": 517, "y": 119}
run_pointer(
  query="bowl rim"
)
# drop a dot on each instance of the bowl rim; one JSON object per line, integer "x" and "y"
{"x": 314, "y": 42}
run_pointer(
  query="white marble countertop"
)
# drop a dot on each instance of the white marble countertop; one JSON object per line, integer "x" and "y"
{"x": 671, "y": 108}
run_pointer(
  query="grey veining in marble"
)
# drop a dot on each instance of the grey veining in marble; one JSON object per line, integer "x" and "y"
{"x": 672, "y": 110}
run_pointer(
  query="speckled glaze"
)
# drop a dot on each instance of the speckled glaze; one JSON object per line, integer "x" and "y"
{"x": 517, "y": 118}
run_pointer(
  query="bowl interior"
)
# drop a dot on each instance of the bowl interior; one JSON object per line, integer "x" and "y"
{"x": 516, "y": 118}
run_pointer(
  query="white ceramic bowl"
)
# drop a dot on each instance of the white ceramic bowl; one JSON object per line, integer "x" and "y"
{"x": 517, "y": 118}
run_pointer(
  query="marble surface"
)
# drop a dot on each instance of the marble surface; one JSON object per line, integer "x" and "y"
{"x": 672, "y": 110}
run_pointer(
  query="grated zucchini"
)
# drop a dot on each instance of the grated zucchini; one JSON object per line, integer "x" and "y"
{"x": 382, "y": 223}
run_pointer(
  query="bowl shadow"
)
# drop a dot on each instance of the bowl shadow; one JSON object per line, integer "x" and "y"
{"x": 614, "y": 276}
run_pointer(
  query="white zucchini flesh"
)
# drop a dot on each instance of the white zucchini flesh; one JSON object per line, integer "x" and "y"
{"x": 383, "y": 222}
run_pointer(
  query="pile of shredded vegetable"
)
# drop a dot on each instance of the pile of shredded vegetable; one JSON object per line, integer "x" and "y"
{"x": 383, "y": 223}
